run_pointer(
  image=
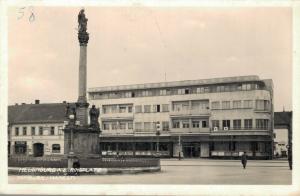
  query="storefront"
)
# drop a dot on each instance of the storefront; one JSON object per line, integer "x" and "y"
{"x": 20, "y": 147}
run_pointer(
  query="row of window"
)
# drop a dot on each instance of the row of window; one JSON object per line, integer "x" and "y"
{"x": 152, "y": 108}
{"x": 262, "y": 124}
{"x": 178, "y": 91}
{"x": 238, "y": 104}
{"x": 106, "y": 109}
{"x": 39, "y": 131}
{"x": 115, "y": 125}
{"x": 263, "y": 105}
{"x": 22, "y": 148}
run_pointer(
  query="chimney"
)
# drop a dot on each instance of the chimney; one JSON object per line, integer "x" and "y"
{"x": 37, "y": 101}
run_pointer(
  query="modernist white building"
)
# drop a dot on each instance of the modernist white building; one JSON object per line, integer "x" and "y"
{"x": 220, "y": 117}
{"x": 36, "y": 129}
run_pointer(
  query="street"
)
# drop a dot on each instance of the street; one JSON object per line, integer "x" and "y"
{"x": 187, "y": 171}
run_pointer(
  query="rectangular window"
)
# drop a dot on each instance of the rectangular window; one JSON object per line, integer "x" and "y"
{"x": 262, "y": 105}
{"x": 156, "y": 108}
{"x": 130, "y": 109}
{"x": 122, "y": 125}
{"x": 130, "y": 125}
{"x": 226, "y": 124}
{"x": 180, "y": 91}
{"x": 237, "y": 104}
{"x": 114, "y": 125}
{"x": 248, "y": 123}
{"x": 138, "y": 109}
{"x": 200, "y": 90}
{"x": 114, "y": 109}
{"x": 105, "y": 109}
{"x": 32, "y": 130}
{"x": 215, "y": 105}
{"x": 17, "y": 131}
{"x": 262, "y": 124}
{"x": 204, "y": 124}
{"x": 247, "y": 103}
{"x": 52, "y": 129}
{"x": 225, "y": 104}
{"x": 185, "y": 124}
{"x": 215, "y": 123}
{"x": 165, "y": 107}
{"x": 138, "y": 126}
{"x": 60, "y": 130}
{"x": 196, "y": 123}
{"x": 24, "y": 130}
{"x": 237, "y": 124}
{"x": 165, "y": 126}
{"x": 187, "y": 91}
{"x": 147, "y": 108}
{"x": 176, "y": 124}
{"x": 163, "y": 92}
{"x": 40, "y": 130}
{"x": 122, "y": 109}
{"x": 105, "y": 126}
{"x": 147, "y": 126}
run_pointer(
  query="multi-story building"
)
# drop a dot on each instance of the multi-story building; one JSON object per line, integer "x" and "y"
{"x": 36, "y": 129}
{"x": 220, "y": 117}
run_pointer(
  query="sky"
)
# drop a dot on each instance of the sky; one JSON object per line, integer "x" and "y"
{"x": 132, "y": 45}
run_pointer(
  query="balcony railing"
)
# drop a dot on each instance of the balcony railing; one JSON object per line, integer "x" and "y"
{"x": 191, "y": 112}
{"x": 116, "y": 116}
{"x": 190, "y": 130}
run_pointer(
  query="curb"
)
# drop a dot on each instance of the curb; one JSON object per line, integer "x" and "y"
{"x": 39, "y": 171}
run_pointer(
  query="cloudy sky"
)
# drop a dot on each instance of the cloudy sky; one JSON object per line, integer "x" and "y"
{"x": 132, "y": 45}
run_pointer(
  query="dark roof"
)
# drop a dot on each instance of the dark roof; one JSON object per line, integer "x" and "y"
{"x": 282, "y": 118}
{"x": 37, "y": 113}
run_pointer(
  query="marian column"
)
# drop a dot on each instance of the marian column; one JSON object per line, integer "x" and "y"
{"x": 83, "y": 37}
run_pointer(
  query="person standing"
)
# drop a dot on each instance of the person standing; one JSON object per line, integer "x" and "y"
{"x": 244, "y": 160}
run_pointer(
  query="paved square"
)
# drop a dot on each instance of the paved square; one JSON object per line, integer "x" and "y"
{"x": 187, "y": 171}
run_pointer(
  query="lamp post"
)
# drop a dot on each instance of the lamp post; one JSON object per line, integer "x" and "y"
{"x": 71, "y": 155}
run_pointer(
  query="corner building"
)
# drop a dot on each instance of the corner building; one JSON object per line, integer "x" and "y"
{"x": 218, "y": 118}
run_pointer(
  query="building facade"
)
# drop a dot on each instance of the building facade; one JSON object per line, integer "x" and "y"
{"x": 282, "y": 133}
{"x": 36, "y": 129}
{"x": 220, "y": 117}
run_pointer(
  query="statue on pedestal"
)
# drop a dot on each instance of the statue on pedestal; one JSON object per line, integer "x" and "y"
{"x": 82, "y": 22}
{"x": 94, "y": 115}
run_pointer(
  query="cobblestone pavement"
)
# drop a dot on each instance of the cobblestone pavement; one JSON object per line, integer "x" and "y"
{"x": 187, "y": 171}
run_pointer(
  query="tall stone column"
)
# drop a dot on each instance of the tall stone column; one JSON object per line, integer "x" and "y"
{"x": 83, "y": 38}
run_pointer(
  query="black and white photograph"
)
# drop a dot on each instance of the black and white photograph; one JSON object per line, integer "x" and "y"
{"x": 143, "y": 95}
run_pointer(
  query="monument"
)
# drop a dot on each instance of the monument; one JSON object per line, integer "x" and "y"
{"x": 81, "y": 138}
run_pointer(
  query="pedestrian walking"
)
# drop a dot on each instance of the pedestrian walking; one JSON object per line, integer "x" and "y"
{"x": 244, "y": 160}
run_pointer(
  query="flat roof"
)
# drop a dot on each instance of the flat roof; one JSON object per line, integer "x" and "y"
{"x": 175, "y": 84}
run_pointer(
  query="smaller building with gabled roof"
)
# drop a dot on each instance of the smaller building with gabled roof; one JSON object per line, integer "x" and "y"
{"x": 36, "y": 129}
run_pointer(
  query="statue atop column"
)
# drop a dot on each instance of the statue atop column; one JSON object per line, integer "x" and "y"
{"x": 94, "y": 115}
{"x": 83, "y": 36}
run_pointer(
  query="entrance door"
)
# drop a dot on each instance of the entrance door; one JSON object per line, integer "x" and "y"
{"x": 38, "y": 149}
{"x": 191, "y": 151}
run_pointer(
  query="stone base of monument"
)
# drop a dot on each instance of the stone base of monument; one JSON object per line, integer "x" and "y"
{"x": 85, "y": 141}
